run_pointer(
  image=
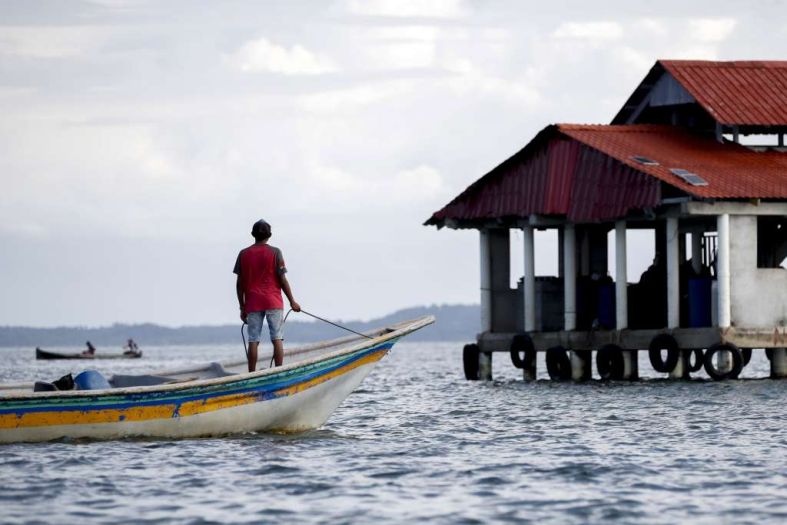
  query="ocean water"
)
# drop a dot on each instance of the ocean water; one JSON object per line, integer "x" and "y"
{"x": 417, "y": 442}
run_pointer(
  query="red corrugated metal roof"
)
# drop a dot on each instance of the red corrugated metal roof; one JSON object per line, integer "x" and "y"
{"x": 586, "y": 173}
{"x": 732, "y": 171}
{"x": 747, "y": 93}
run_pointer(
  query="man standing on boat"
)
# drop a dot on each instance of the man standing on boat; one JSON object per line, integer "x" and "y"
{"x": 261, "y": 279}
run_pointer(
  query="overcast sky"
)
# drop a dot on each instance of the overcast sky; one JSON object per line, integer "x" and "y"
{"x": 140, "y": 140}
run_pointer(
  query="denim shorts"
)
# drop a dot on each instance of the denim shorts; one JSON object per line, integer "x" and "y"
{"x": 254, "y": 322}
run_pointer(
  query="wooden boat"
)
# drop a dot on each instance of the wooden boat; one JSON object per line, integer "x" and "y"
{"x": 46, "y": 354}
{"x": 298, "y": 396}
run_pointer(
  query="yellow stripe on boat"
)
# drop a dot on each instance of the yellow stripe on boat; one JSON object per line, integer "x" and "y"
{"x": 169, "y": 410}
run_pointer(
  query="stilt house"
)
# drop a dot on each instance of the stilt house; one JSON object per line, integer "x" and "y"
{"x": 672, "y": 161}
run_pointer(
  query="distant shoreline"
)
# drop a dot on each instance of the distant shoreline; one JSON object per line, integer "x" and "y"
{"x": 454, "y": 323}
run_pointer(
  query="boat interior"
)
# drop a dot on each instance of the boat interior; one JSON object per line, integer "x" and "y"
{"x": 94, "y": 380}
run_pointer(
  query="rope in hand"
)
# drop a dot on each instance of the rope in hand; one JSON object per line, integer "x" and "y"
{"x": 243, "y": 336}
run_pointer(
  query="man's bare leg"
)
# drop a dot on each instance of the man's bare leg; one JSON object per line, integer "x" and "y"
{"x": 253, "y": 355}
{"x": 278, "y": 351}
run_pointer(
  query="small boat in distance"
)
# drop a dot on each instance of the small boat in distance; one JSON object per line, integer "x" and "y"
{"x": 46, "y": 354}
{"x": 209, "y": 400}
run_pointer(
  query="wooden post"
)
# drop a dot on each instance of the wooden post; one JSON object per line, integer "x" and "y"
{"x": 529, "y": 279}
{"x": 621, "y": 277}
{"x": 673, "y": 283}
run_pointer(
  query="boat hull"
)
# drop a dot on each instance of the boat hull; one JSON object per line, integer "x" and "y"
{"x": 291, "y": 399}
{"x": 47, "y": 355}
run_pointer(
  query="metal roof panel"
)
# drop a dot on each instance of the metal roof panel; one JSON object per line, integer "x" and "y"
{"x": 746, "y": 93}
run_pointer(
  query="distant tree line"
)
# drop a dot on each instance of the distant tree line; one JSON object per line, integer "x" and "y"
{"x": 454, "y": 323}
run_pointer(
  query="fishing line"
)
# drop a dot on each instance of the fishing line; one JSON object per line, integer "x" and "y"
{"x": 327, "y": 321}
{"x": 270, "y": 365}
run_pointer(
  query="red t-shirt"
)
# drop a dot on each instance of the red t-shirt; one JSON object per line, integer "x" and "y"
{"x": 258, "y": 267}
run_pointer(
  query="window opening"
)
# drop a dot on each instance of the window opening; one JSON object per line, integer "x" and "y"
{"x": 689, "y": 177}
{"x": 644, "y": 160}
{"x": 771, "y": 242}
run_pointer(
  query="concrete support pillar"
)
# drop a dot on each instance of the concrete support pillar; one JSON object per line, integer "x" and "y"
{"x": 486, "y": 281}
{"x": 696, "y": 251}
{"x": 621, "y": 277}
{"x": 529, "y": 279}
{"x": 569, "y": 277}
{"x": 529, "y": 370}
{"x": 681, "y": 370}
{"x": 723, "y": 269}
{"x": 630, "y": 365}
{"x": 581, "y": 365}
{"x": 485, "y": 366}
{"x": 673, "y": 283}
{"x": 723, "y": 361}
{"x": 779, "y": 363}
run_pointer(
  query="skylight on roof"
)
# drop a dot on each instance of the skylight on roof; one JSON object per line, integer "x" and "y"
{"x": 644, "y": 160}
{"x": 689, "y": 177}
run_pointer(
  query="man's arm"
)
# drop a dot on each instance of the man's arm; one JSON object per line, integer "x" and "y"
{"x": 241, "y": 303}
{"x": 281, "y": 270}
{"x": 239, "y": 289}
{"x": 285, "y": 287}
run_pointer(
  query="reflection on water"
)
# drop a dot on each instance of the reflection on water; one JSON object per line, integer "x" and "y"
{"x": 418, "y": 442}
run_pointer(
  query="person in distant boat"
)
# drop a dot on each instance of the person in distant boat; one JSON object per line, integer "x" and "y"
{"x": 91, "y": 350}
{"x": 131, "y": 347}
{"x": 261, "y": 279}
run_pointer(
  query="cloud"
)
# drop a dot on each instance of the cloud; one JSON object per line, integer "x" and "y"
{"x": 51, "y": 42}
{"x": 634, "y": 59}
{"x": 262, "y": 55}
{"x": 655, "y": 26}
{"x": 712, "y": 29}
{"x": 356, "y": 97}
{"x": 471, "y": 80}
{"x": 426, "y": 178}
{"x": 407, "y": 8}
{"x": 352, "y": 191}
{"x": 589, "y": 30}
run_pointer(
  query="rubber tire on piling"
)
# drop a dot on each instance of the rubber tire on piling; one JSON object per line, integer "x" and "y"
{"x": 746, "y": 354}
{"x": 659, "y": 343}
{"x": 609, "y": 362}
{"x": 470, "y": 355}
{"x": 522, "y": 343}
{"x": 558, "y": 364}
{"x": 698, "y": 362}
{"x": 737, "y": 361}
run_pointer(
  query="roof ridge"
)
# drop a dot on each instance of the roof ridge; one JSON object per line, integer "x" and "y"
{"x": 634, "y": 128}
{"x": 725, "y": 63}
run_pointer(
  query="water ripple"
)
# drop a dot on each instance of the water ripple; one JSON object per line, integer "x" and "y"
{"x": 420, "y": 443}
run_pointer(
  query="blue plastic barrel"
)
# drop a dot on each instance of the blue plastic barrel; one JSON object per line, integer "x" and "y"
{"x": 699, "y": 301}
{"x": 91, "y": 380}
{"x": 606, "y": 305}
